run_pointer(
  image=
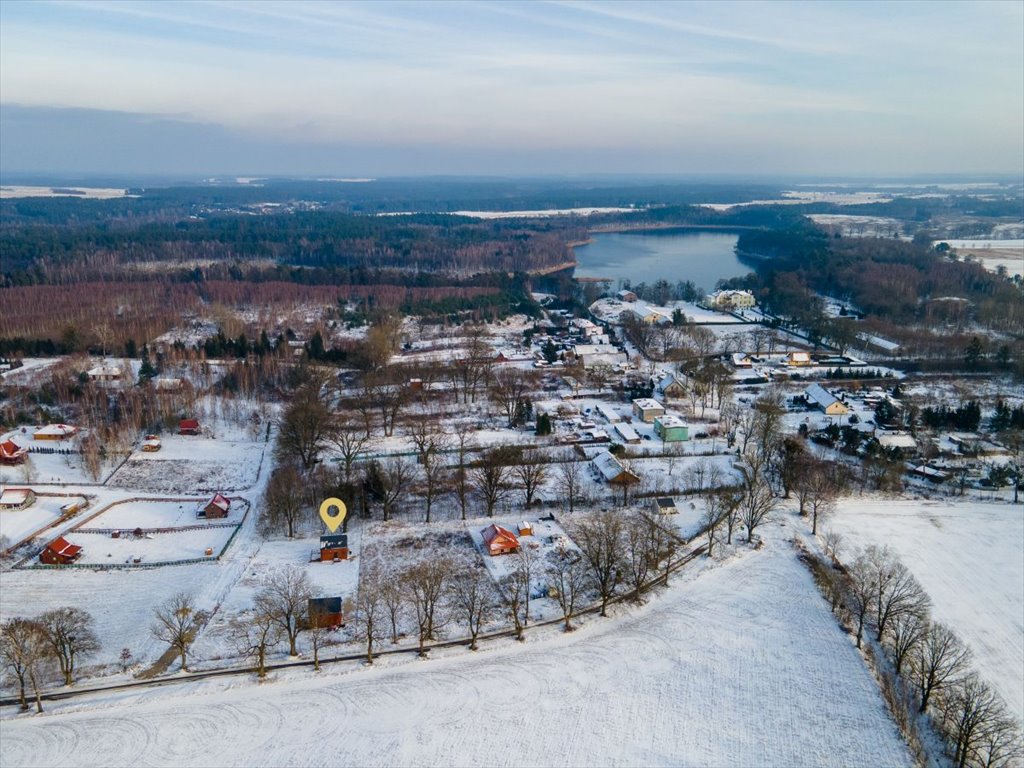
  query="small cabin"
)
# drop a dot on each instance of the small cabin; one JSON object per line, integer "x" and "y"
{"x": 189, "y": 427}
{"x": 333, "y": 546}
{"x": 325, "y": 612}
{"x": 665, "y": 505}
{"x": 626, "y": 295}
{"x": 217, "y": 507}
{"x": 60, "y": 552}
{"x": 11, "y": 453}
{"x": 525, "y": 528}
{"x": 499, "y": 541}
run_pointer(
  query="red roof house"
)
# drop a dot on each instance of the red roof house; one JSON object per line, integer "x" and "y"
{"x": 499, "y": 541}
{"x": 189, "y": 427}
{"x": 60, "y": 552}
{"x": 12, "y": 453}
{"x": 216, "y": 507}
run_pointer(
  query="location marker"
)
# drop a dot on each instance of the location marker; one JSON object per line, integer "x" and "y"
{"x": 332, "y": 521}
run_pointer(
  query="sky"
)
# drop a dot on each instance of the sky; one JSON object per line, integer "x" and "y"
{"x": 519, "y": 88}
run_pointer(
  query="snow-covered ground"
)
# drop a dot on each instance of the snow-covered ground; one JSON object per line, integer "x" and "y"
{"x": 88, "y": 193}
{"x": 150, "y": 549}
{"x": 130, "y": 515}
{"x": 191, "y": 464}
{"x": 741, "y": 664}
{"x": 969, "y": 556}
{"x": 16, "y": 524}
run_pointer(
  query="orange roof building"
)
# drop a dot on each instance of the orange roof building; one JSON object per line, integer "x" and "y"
{"x": 499, "y": 541}
{"x": 12, "y": 453}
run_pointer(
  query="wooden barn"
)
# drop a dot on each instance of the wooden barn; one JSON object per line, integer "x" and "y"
{"x": 60, "y": 552}
{"x": 325, "y": 612}
{"x": 189, "y": 427}
{"x": 11, "y": 453}
{"x": 333, "y": 546}
{"x": 499, "y": 541}
{"x": 216, "y": 508}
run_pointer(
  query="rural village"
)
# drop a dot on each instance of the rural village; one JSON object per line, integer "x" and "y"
{"x": 508, "y": 481}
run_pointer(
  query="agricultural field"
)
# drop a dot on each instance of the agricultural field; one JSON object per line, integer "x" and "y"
{"x": 968, "y": 557}
{"x": 191, "y": 464}
{"x": 736, "y": 664}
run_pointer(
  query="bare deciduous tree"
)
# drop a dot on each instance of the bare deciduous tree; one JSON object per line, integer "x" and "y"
{"x": 898, "y": 591}
{"x": 508, "y": 388}
{"x": 253, "y": 636}
{"x": 395, "y": 603}
{"x": 969, "y": 709}
{"x": 473, "y": 598}
{"x": 905, "y": 632}
{"x": 370, "y": 609}
{"x": 937, "y": 661}
{"x": 177, "y": 623}
{"x": 568, "y": 574}
{"x": 350, "y": 441}
{"x": 514, "y": 590}
{"x": 758, "y": 499}
{"x": 600, "y": 539}
{"x": 425, "y": 583}
{"x": 284, "y": 597}
{"x": 389, "y": 481}
{"x": 23, "y": 650}
{"x": 569, "y": 478}
{"x": 283, "y": 499}
{"x": 489, "y": 477}
{"x": 70, "y": 636}
{"x": 862, "y": 592}
{"x": 430, "y": 443}
{"x": 305, "y": 426}
{"x": 531, "y": 471}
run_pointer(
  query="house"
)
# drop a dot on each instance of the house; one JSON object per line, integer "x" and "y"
{"x": 741, "y": 360}
{"x": 671, "y": 386}
{"x": 671, "y": 429}
{"x": 586, "y": 327}
{"x": 60, "y": 552}
{"x": 151, "y": 444}
{"x": 626, "y": 295}
{"x": 902, "y": 440}
{"x": 16, "y": 498}
{"x": 333, "y": 546}
{"x": 647, "y": 409}
{"x": 324, "y": 612}
{"x": 11, "y": 453}
{"x": 609, "y": 413}
{"x": 166, "y": 386}
{"x": 498, "y": 540}
{"x": 798, "y": 359}
{"x": 215, "y": 508}
{"x": 55, "y": 432}
{"x": 825, "y": 401}
{"x": 665, "y": 505}
{"x": 647, "y": 315}
{"x": 612, "y": 471}
{"x": 591, "y": 355}
{"x": 189, "y": 427}
{"x": 525, "y": 528}
{"x": 106, "y": 373}
{"x": 728, "y": 300}
{"x": 629, "y": 435}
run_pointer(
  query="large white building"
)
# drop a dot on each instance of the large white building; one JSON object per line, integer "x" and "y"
{"x": 732, "y": 300}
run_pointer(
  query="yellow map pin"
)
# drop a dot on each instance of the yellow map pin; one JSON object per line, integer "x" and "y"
{"x": 333, "y": 521}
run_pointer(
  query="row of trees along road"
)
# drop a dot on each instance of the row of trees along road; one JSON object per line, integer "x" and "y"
{"x": 928, "y": 670}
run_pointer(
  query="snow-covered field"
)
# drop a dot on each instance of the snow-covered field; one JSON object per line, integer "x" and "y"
{"x": 969, "y": 556}
{"x": 130, "y": 515}
{"x": 101, "y": 549}
{"x": 192, "y": 464}
{"x": 740, "y": 665}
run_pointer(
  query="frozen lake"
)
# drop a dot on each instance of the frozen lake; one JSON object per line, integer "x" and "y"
{"x": 703, "y": 256}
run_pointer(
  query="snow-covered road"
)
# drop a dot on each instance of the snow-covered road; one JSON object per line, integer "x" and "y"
{"x": 742, "y": 665}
